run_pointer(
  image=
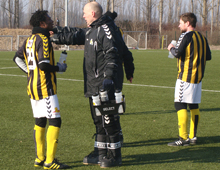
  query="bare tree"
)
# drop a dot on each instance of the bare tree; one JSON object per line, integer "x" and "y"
{"x": 192, "y": 6}
{"x": 170, "y": 11}
{"x": 212, "y": 16}
{"x": 177, "y": 11}
{"x": 110, "y": 5}
{"x": 41, "y": 4}
{"x": 160, "y": 20}
{"x": 16, "y": 12}
{"x": 204, "y": 12}
{"x": 54, "y": 6}
{"x": 149, "y": 11}
{"x": 217, "y": 14}
{"x": 9, "y": 13}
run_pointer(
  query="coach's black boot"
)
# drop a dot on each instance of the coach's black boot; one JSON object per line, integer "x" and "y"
{"x": 113, "y": 157}
{"x": 100, "y": 150}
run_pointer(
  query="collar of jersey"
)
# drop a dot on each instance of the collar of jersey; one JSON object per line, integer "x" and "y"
{"x": 41, "y": 30}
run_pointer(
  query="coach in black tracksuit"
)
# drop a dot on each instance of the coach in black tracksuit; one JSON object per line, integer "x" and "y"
{"x": 104, "y": 53}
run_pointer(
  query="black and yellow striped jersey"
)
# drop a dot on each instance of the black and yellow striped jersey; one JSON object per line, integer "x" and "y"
{"x": 38, "y": 49}
{"x": 192, "y": 51}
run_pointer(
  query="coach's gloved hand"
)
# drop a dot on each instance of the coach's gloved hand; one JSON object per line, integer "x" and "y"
{"x": 55, "y": 39}
{"x": 62, "y": 67}
{"x": 107, "y": 84}
{"x": 57, "y": 29}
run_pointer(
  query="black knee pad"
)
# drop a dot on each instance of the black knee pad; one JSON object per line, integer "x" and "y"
{"x": 55, "y": 122}
{"x": 41, "y": 122}
{"x": 180, "y": 106}
{"x": 193, "y": 106}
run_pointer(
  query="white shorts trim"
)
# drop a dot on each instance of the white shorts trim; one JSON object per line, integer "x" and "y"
{"x": 187, "y": 92}
{"x": 48, "y": 107}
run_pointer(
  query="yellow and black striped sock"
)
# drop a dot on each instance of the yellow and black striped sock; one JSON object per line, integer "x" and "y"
{"x": 182, "y": 123}
{"x": 39, "y": 139}
{"x": 52, "y": 141}
{"x": 195, "y": 117}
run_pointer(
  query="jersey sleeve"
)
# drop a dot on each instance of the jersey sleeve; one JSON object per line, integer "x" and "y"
{"x": 43, "y": 52}
{"x": 19, "y": 58}
{"x": 110, "y": 50}
{"x": 42, "y": 47}
{"x": 70, "y": 36}
{"x": 128, "y": 62}
{"x": 182, "y": 43}
{"x": 208, "y": 51}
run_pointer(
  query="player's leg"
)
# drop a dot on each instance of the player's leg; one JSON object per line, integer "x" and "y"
{"x": 195, "y": 113}
{"x": 182, "y": 115}
{"x": 53, "y": 115}
{"x": 39, "y": 140}
{"x": 39, "y": 131}
{"x": 195, "y": 117}
{"x": 52, "y": 138}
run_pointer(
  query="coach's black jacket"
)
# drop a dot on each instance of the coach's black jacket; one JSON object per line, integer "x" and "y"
{"x": 104, "y": 53}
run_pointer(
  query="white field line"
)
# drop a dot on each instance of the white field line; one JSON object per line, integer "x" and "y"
{"x": 8, "y": 67}
{"x": 139, "y": 85}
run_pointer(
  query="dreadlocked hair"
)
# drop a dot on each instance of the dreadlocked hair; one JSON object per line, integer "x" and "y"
{"x": 37, "y": 17}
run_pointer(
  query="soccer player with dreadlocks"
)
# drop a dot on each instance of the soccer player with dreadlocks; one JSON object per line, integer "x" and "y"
{"x": 36, "y": 59}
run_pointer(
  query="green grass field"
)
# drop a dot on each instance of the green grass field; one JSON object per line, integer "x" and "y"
{"x": 150, "y": 121}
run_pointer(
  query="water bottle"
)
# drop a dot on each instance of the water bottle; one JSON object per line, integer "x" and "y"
{"x": 170, "y": 54}
{"x": 96, "y": 100}
{"x": 118, "y": 96}
{"x": 103, "y": 95}
{"x": 63, "y": 56}
{"x": 119, "y": 99}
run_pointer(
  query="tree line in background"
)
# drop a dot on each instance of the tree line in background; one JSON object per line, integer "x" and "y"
{"x": 152, "y": 16}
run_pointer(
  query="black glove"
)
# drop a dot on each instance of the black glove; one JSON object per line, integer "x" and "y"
{"x": 107, "y": 84}
{"x": 55, "y": 39}
{"x": 57, "y": 29}
{"x": 62, "y": 67}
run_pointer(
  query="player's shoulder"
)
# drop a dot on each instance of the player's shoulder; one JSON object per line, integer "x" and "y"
{"x": 41, "y": 37}
{"x": 106, "y": 30}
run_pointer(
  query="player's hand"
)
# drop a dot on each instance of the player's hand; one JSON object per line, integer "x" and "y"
{"x": 62, "y": 67}
{"x": 107, "y": 84}
{"x": 170, "y": 46}
{"x": 51, "y": 33}
{"x": 130, "y": 79}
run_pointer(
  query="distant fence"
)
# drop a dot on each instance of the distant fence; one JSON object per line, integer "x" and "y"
{"x": 6, "y": 42}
